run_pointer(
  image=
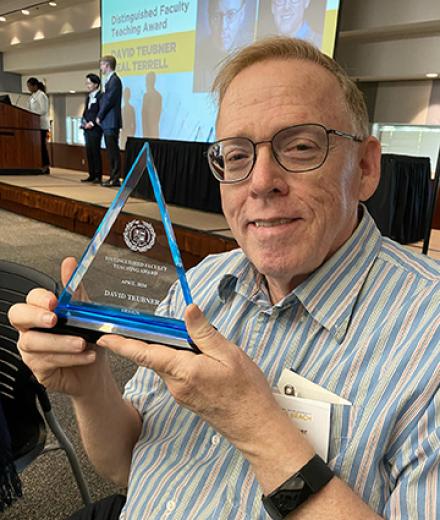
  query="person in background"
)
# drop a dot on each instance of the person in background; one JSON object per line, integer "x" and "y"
{"x": 39, "y": 104}
{"x": 110, "y": 117}
{"x": 92, "y": 131}
{"x": 288, "y": 16}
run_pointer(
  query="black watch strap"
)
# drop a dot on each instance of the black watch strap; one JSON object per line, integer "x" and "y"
{"x": 295, "y": 490}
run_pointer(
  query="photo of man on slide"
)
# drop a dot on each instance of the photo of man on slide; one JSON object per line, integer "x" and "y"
{"x": 302, "y": 19}
{"x": 222, "y": 27}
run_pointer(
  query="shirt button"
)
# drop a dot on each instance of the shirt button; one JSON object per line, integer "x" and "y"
{"x": 171, "y": 505}
{"x": 215, "y": 439}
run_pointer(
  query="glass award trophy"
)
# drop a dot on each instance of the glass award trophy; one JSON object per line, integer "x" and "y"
{"x": 126, "y": 271}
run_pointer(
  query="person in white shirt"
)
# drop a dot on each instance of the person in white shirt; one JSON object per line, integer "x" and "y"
{"x": 39, "y": 104}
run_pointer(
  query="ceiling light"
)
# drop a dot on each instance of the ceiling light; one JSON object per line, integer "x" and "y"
{"x": 25, "y": 12}
{"x": 72, "y": 91}
{"x": 431, "y": 75}
{"x": 2, "y": 19}
{"x": 53, "y": 4}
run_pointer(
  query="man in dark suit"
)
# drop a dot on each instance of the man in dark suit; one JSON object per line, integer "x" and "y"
{"x": 110, "y": 117}
{"x": 92, "y": 131}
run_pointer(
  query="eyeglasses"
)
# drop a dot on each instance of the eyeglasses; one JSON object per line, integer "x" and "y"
{"x": 297, "y": 149}
{"x": 229, "y": 16}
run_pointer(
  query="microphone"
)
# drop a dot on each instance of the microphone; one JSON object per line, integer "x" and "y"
{"x": 18, "y": 99}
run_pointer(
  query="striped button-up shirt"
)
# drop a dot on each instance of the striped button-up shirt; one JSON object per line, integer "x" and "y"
{"x": 366, "y": 326}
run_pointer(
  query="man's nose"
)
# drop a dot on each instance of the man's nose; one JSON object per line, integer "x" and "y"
{"x": 267, "y": 175}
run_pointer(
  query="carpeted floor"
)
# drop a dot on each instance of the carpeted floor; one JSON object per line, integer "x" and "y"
{"x": 49, "y": 489}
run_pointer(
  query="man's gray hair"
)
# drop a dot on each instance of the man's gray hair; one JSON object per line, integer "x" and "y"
{"x": 282, "y": 47}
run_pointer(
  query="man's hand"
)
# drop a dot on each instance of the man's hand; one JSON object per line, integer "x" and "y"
{"x": 89, "y": 125}
{"x": 98, "y": 121}
{"x": 60, "y": 363}
{"x": 222, "y": 385}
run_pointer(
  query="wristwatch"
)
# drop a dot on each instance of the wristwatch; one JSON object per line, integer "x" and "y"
{"x": 295, "y": 490}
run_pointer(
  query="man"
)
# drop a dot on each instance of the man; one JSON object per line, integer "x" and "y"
{"x": 313, "y": 289}
{"x": 110, "y": 117}
{"x": 92, "y": 131}
{"x": 228, "y": 31}
{"x": 289, "y": 20}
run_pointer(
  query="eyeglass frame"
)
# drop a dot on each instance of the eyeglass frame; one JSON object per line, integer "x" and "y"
{"x": 328, "y": 131}
{"x": 228, "y": 15}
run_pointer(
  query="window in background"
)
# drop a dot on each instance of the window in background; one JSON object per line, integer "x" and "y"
{"x": 74, "y": 134}
{"x": 416, "y": 140}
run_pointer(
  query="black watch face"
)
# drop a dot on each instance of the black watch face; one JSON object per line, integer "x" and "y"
{"x": 286, "y": 501}
{"x": 295, "y": 484}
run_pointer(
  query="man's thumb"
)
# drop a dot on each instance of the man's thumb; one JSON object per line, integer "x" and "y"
{"x": 204, "y": 335}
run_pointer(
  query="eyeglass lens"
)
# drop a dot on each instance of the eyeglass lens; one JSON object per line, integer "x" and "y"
{"x": 297, "y": 149}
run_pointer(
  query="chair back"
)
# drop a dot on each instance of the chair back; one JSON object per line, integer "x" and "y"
{"x": 18, "y": 386}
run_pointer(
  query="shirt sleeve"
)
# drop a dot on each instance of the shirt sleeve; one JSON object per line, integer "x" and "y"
{"x": 416, "y": 470}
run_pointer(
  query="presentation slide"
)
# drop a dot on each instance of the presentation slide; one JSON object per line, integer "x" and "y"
{"x": 168, "y": 53}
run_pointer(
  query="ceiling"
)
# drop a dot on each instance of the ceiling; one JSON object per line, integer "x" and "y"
{"x": 11, "y": 9}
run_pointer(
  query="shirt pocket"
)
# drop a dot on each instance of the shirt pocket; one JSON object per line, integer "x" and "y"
{"x": 343, "y": 422}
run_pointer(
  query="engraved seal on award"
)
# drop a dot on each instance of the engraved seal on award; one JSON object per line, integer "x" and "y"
{"x": 139, "y": 236}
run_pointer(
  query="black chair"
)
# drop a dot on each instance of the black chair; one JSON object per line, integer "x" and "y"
{"x": 19, "y": 389}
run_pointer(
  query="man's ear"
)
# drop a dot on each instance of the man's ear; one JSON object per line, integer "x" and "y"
{"x": 369, "y": 165}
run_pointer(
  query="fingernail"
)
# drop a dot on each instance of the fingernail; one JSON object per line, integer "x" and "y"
{"x": 101, "y": 341}
{"x": 77, "y": 343}
{"x": 48, "y": 318}
{"x": 91, "y": 355}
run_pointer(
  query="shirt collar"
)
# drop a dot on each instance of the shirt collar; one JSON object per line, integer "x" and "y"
{"x": 328, "y": 294}
{"x": 109, "y": 75}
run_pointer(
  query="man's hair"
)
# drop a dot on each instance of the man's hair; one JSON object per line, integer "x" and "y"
{"x": 94, "y": 78}
{"x": 282, "y": 47}
{"x": 111, "y": 60}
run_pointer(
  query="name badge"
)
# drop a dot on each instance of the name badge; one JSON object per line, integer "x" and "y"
{"x": 309, "y": 407}
{"x": 312, "y": 418}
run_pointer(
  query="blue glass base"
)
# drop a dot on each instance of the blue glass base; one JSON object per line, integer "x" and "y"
{"x": 91, "y": 321}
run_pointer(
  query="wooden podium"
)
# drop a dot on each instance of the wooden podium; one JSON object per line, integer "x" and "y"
{"x": 20, "y": 141}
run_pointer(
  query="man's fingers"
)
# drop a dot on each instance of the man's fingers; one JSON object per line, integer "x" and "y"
{"x": 42, "y": 298}
{"x": 23, "y": 316}
{"x": 37, "y": 342}
{"x": 49, "y": 362}
{"x": 68, "y": 265}
{"x": 157, "y": 357}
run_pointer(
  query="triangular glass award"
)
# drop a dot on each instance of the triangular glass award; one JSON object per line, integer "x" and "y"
{"x": 126, "y": 271}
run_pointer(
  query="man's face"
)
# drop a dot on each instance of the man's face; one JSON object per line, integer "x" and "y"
{"x": 226, "y": 18}
{"x": 288, "y": 224}
{"x": 90, "y": 86}
{"x": 288, "y": 15}
{"x": 104, "y": 67}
